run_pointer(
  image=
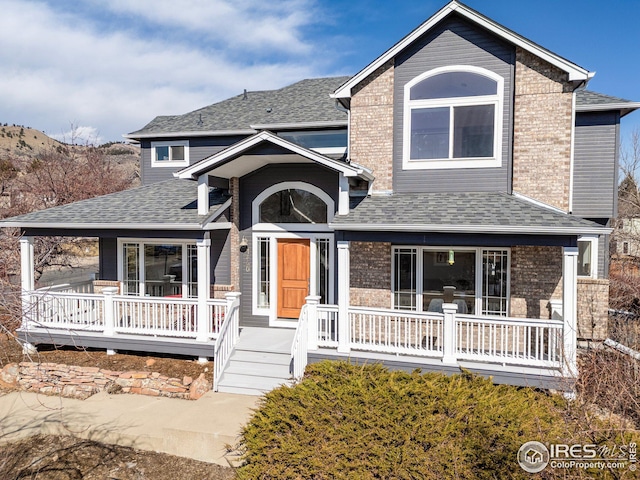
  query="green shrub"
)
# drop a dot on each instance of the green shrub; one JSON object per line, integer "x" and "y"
{"x": 364, "y": 422}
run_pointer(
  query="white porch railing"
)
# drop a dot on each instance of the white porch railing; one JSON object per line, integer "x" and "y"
{"x": 509, "y": 340}
{"x": 227, "y": 337}
{"x": 299, "y": 345}
{"x": 59, "y": 308}
{"x": 63, "y": 310}
{"x": 447, "y": 336}
{"x": 395, "y": 331}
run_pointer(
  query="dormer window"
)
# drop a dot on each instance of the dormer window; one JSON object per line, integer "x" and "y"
{"x": 453, "y": 119}
{"x": 170, "y": 154}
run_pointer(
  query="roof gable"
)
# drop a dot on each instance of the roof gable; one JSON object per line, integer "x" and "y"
{"x": 219, "y": 163}
{"x": 575, "y": 72}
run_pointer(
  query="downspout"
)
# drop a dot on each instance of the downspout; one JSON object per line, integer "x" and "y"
{"x": 342, "y": 108}
{"x": 572, "y": 149}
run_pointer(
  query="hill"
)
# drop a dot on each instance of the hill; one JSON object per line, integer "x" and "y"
{"x": 20, "y": 141}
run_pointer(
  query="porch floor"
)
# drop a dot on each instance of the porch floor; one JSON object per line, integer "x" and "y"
{"x": 121, "y": 341}
{"x": 499, "y": 374}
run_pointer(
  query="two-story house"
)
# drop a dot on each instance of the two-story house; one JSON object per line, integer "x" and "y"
{"x": 446, "y": 207}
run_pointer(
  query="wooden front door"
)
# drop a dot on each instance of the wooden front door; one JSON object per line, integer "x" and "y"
{"x": 293, "y": 276}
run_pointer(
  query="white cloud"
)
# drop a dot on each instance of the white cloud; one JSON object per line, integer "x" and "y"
{"x": 59, "y": 68}
{"x": 79, "y": 135}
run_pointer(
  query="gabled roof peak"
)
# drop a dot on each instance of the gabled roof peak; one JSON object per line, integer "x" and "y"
{"x": 575, "y": 72}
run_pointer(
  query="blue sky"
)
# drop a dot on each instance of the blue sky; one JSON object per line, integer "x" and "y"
{"x": 110, "y": 66}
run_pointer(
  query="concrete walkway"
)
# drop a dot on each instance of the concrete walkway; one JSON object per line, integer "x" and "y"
{"x": 197, "y": 429}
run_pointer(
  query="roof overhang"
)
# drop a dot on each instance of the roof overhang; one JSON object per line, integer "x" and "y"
{"x": 225, "y": 165}
{"x": 300, "y": 125}
{"x": 203, "y": 133}
{"x": 121, "y": 226}
{"x": 477, "y": 229}
{"x": 624, "y": 108}
{"x": 575, "y": 72}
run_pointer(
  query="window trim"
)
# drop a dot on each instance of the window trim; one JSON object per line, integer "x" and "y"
{"x": 141, "y": 242}
{"x": 170, "y": 163}
{"x": 497, "y": 100}
{"x": 593, "y": 239}
{"x": 266, "y": 193}
{"x": 419, "y": 249}
{"x": 273, "y": 237}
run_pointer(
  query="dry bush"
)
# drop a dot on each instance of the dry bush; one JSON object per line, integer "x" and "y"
{"x": 610, "y": 380}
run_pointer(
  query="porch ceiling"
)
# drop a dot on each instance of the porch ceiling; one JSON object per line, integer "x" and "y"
{"x": 168, "y": 205}
{"x": 481, "y": 212}
{"x": 246, "y": 164}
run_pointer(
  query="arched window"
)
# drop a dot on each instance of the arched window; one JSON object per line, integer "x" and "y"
{"x": 293, "y": 205}
{"x": 453, "y": 114}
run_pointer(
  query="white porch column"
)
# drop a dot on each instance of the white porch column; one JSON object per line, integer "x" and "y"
{"x": 26, "y": 276}
{"x": 343, "y": 196}
{"x": 204, "y": 285}
{"x": 569, "y": 308}
{"x": 203, "y": 194}
{"x": 449, "y": 334}
{"x": 312, "y": 321}
{"x": 343, "y": 297}
{"x": 26, "y": 264}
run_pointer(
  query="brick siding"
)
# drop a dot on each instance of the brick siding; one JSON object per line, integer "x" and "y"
{"x": 370, "y": 279}
{"x": 371, "y": 130}
{"x": 542, "y": 131}
{"x": 536, "y": 278}
{"x": 593, "y": 306}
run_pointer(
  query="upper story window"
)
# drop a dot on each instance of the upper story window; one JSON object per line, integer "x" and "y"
{"x": 170, "y": 154}
{"x": 452, "y": 119}
{"x": 326, "y": 142}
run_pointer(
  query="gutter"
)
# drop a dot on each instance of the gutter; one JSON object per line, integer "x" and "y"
{"x": 435, "y": 228}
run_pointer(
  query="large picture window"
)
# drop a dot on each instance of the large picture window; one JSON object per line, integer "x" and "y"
{"x": 452, "y": 117}
{"x": 160, "y": 269}
{"x": 476, "y": 279}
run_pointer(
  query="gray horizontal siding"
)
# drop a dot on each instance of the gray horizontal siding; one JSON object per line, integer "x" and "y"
{"x": 199, "y": 148}
{"x": 595, "y": 164}
{"x": 454, "y": 42}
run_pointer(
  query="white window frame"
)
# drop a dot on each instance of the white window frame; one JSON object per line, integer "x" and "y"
{"x": 273, "y": 232}
{"x": 272, "y": 310}
{"x": 308, "y": 227}
{"x": 478, "y": 273}
{"x": 497, "y": 100}
{"x": 593, "y": 239}
{"x": 170, "y": 163}
{"x": 141, "y": 242}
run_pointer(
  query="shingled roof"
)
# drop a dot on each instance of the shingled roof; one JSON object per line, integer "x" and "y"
{"x": 588, "y": 101}
{"x": 482, "y": 212}
{"x": 171, "y": 204}
{"x": 304, "y": 102}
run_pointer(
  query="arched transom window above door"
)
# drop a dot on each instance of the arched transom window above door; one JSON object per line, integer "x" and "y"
{"x": 453, "y": 118}
{"x": 293, "y": 203}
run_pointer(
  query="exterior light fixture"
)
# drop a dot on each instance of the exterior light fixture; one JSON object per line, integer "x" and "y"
{"x": 452, "y": 259}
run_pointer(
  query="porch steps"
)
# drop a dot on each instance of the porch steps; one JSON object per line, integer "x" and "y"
{"x": 260, "y": 362}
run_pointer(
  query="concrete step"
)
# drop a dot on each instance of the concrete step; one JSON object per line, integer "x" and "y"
{"x": 238, "y": 383}
{"x": 259, "y": 363}
{"x": 251, "y": 356}
{"x": 267, "y": 370}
